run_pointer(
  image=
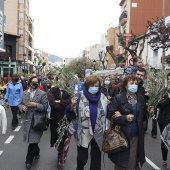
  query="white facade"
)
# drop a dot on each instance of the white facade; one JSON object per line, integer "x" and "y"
{"x": 154, "y": 57}
{"x": 68, "y": 60}
{"x": 104, "y": 42}
{"x": 87, "y": 52}
{"x": 94, "y": 52}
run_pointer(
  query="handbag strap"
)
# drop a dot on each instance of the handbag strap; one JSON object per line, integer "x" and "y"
{"x": 111, "y": 122}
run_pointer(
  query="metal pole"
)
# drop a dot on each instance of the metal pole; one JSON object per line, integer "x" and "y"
{"x": 24, "y": 67}
{"x": 9, "y": 70}
{"x": 164, "y": 15}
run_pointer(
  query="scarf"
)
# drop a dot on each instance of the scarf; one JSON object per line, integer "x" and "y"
{"x": 93, "y": 104}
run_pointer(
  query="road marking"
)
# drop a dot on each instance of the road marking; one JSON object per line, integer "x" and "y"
{"x": 17, "y": 129}
{"x": 1, "y": 153}
{"x": 9, "y": 139}
{"x": 152, "y": 164}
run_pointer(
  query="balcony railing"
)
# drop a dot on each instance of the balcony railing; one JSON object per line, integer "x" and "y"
{"x": 123, "y": 18}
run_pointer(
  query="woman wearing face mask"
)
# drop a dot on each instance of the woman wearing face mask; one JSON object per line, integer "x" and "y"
{"x": 13, "y": 96}
{"x": 130, "y": 112}
{"x": 32, "y": 101}
{"x": 89, "y": 110}
{"x": 107, "y": 89}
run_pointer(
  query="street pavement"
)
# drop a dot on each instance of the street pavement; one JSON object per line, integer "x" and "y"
{"x": 13, "y": 152}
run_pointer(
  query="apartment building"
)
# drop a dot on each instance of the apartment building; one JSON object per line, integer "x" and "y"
{"x": 2, "y": 26}
{"x": 20, "y": 25}
{"x": 112, "y": 39}
{"x": 136, "y": 13}
{"x": 134, "y": 17}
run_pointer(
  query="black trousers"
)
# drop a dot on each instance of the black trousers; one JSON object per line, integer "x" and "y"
{"x": 82, "y": 156}
{"x": 33, "y": 150}
{"x": 14, "y": 110}
{"x": 154, "y": 127}
{"x": 163, "y": 147}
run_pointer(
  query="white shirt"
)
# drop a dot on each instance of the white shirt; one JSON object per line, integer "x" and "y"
{"x": 3, "y": 119}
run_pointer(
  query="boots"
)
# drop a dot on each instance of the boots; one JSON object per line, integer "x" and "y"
{"x": 59, "y": 161}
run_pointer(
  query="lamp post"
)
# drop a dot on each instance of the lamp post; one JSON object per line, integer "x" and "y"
{"x": 164, "y": 15}
{"x": 24, "y": 56}
{"x": 9, "y": 65}
{"x": 94, "y": 63}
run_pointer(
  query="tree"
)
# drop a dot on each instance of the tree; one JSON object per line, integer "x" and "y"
{"x": 133, "y": 44}
{"x": 79, "y": 65}
{"x": 155, "y": 85}
{"x": 103, "y": 59}
{"x": 158, "y": 34}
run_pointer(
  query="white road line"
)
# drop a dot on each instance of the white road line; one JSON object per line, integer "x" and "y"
{"x": 1, "y": 153}
{"x": 9, "y": 139}
{"x": 152, "y": 164}
{"x": 17, "y": 129}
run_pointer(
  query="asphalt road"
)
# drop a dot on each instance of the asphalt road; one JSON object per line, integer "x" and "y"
{"x": 13, "y": 152}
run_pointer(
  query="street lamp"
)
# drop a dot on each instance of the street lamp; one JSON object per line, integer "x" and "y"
{"x": 94, "y": 63}
{"x": 24, "y": 56}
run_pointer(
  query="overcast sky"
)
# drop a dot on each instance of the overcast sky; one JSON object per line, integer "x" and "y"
{"x": 66, "y": 27}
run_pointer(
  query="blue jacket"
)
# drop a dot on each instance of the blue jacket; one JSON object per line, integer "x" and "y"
{"x": 14, "y": 93}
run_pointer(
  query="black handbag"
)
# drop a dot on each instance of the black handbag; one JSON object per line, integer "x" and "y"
{"x": 39, "y": 122}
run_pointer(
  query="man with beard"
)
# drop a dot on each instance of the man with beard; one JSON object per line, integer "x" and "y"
{"x": 141, "y": 74}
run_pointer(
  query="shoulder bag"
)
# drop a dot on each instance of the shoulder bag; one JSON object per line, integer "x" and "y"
{"x": 114, "y": 140}
{"x": 39, "y": 122}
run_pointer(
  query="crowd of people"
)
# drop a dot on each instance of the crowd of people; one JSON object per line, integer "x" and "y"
{"x": 97, "y": 100}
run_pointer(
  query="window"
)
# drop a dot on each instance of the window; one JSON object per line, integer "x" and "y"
{"x": 21, "y": 1}
{"x": 21, "y": 15}
{"x": 134, "y": 5}
{"x": 9, "y": 49}
{"x": 20, "y": 49}
{"x": 21, "y": 32}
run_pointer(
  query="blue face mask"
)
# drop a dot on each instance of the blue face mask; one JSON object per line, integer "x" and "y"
{"x": 107, "y": 82}
{"x": 132, "y": 88}
{"x": 93, "y": 90}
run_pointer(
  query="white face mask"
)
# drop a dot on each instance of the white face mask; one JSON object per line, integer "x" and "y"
{"x": 106, "y": 82}
{"x": 133, "y": 88}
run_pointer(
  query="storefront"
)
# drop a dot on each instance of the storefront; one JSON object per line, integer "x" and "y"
{"x": 5, "y": 70}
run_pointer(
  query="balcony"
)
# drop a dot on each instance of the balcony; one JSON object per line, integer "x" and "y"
{"x": 122, "y": 2}
{"x": 123, "y": 18}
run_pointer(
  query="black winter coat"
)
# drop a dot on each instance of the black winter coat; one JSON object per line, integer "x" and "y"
{"x": 121, "y": 104}
{"x": 164, "y": 112}
{"x": 110, "y": 91}
{"x": 57, "y": 111}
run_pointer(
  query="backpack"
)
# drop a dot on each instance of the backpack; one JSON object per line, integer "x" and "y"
{"x": 129, "y": 70}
